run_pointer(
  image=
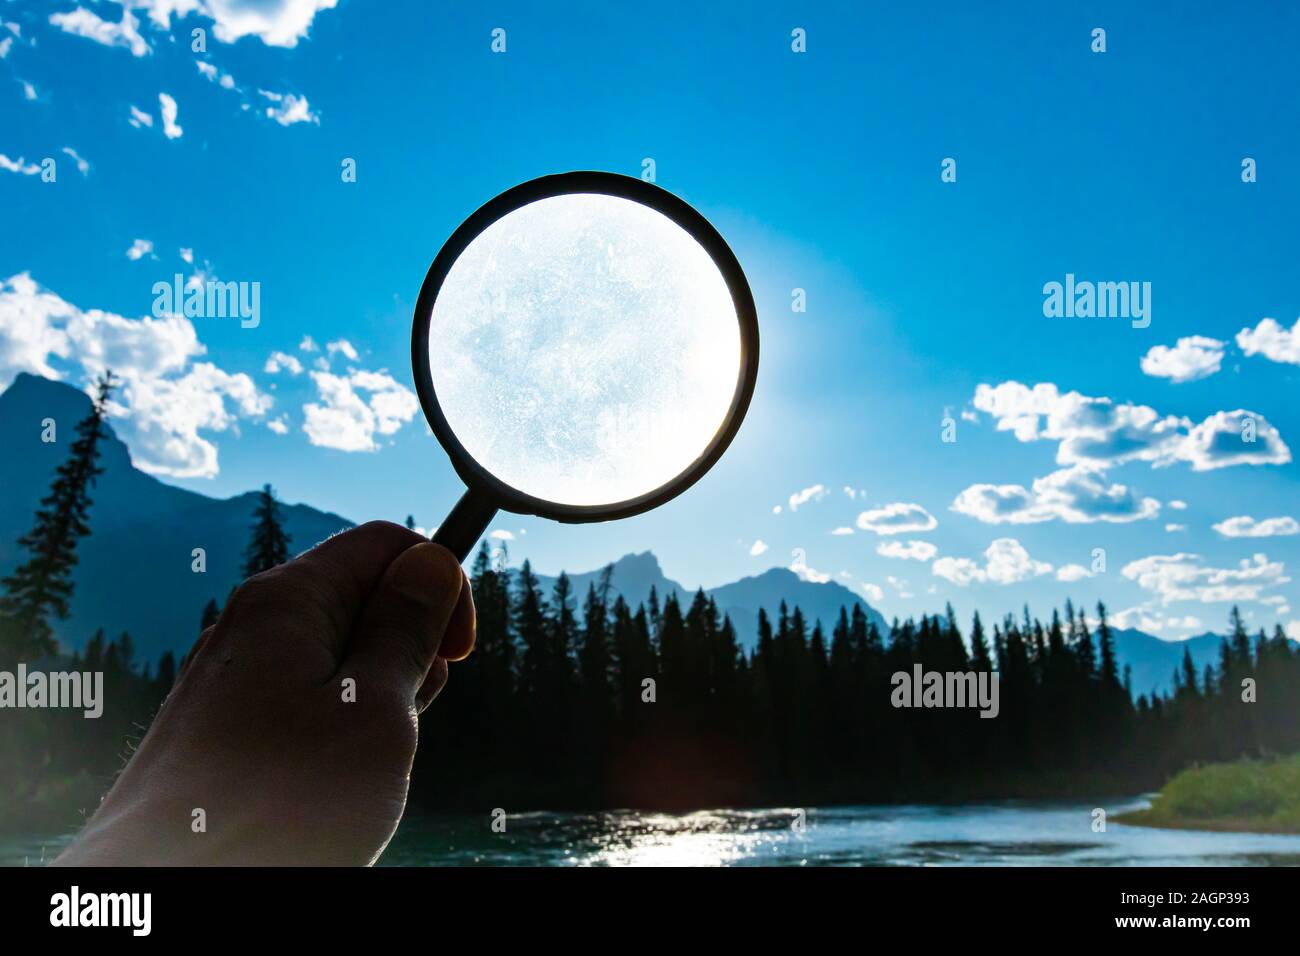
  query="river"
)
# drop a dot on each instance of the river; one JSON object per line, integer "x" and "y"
{"x": 1011, "y": 833}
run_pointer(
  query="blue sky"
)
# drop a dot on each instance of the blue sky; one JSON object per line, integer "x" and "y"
{"x": 823, "y": 171}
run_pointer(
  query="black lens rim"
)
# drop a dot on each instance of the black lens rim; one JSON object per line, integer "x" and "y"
{"x": 478, "y": 478}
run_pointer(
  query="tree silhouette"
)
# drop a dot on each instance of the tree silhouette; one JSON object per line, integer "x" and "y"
{"x": 41, "y": 587}
{"x": 269, "y": 544}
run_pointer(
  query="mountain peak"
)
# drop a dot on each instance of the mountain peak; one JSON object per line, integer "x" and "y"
{"x": 643, "y": 562}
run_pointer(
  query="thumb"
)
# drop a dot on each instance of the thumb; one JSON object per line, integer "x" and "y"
{"x": 403, "y": 621}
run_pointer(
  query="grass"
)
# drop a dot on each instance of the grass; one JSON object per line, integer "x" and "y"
{"x": 1255, "y": 796}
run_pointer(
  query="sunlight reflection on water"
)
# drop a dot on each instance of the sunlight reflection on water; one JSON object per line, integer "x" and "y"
{"x": 1001, "y": 834}
{"x": 1010, "y": 833}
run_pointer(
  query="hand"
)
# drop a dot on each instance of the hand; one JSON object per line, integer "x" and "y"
{"x": 292, "y": 726}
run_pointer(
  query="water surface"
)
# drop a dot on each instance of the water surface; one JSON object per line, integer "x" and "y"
{"x": 1012, "y": 833}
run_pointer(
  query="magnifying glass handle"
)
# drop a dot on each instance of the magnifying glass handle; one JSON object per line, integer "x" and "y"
{"x": 466, "y": 523}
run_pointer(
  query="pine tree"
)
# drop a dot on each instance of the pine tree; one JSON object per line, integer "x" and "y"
{"x": 530, "y": 623}
{"x": 979, "y": 646}
{"x": 1106, "y": 639}
{"x": 593, "y": 652}
{"x": 41, "y": 587}
{"x": 269, "y": 544}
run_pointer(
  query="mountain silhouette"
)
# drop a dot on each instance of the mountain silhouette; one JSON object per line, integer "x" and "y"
{"x": 134, "y": 571}
{"x": 635, "y": 574}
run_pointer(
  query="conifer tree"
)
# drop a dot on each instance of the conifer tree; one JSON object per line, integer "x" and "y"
{"x": 40, "y": 588}
{"x": 269, "y": 544}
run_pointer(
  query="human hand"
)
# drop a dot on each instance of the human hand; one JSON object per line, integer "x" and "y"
{"x": 292, "y": 725}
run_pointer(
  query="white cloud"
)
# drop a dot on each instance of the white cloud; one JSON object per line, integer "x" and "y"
{"x": 800, "y": 567}
{"x": 187, "y": 255}
{"x": 1191, "y": 358}
{"x": 1005, "y": 562}
{"x": 1175, "y": 527}
{"x": 19, "y": 166}
{"x": 281, "y": 360}
{"x": 901, "y": 587}
{"x": 279, "y": 425}
{"x": 125, "y": 33}
{"x": 166, "y": 402}
{"x": 1100, "y": 432}
{"x": 308, "y": 344}
{"x": 960, "y": 571}
{"x": 1178, "y": 505}
{"x": 83, "y": 167}
{"x": 5, "y": 46}
{"x": 1072, "y": 572}
{"x": 1151, "y": 620}
{"x": 1222, "y": 441}
{"x": 280, "y": 23}
{"x": 274, "y": 22}
{"x": 1185, "y": 577}
{"x": 1293, "y": 630}
{"x": 348, "y": 422}
{"x": 1244, "y": 526}
{"x": 757, "y": 548}
{"x": 139, "y": 249}
{"x": 341, "y": 345}
{"x": 815, "y": 493}
{"x": 140, "y": 118}
{"x": 167, "y": 107}
{"x": 29, "y": 91}
{"x": 160, "y": 12}
{"x": 842, "y": 531}
{"x": 897, "y": 518}
{"x": 776, "y": 509}
{"x": 289, "y": 108}
{"x": 220, "y": 77}
{"x": 501, "y": 534}
{"x": 913, "y": 550}
{"x": 1273, "y": 341}
{"x": 169, "y": 414}
{"x": 873, "y": 592}
{"x": 1077, "y": 495}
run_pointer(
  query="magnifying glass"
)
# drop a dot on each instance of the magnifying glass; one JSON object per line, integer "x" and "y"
{"x": 585, "y": 346}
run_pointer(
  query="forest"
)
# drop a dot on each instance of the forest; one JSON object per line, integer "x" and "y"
{"x": 609, "y": 700}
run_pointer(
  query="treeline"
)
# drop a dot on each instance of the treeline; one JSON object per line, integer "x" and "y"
{"x": 593, "y": 700}
{"x": 657, "y": 705}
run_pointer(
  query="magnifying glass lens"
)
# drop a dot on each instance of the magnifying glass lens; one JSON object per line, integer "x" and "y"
{"x": 585, "y": 349}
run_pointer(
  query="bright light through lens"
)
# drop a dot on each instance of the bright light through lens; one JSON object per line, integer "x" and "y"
{"x": 584, "y": 349}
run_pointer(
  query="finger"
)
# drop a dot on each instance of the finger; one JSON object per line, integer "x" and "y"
{"x": 461, "y": 628}
{"x": 433, "y": 684}
{"x": 402, "y": 624}
{"x": 194, "y": 651}
{"x": 328, "y": 584}
{"x": 457, "y": 643}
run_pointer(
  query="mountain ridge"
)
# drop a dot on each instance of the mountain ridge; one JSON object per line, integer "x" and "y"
{"x": 144, "y": 530}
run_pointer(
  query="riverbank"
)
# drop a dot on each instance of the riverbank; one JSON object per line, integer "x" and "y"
{"x": 1246, "y": 796}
